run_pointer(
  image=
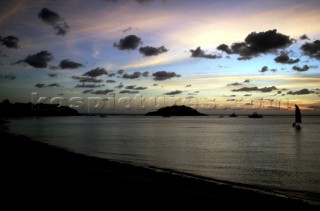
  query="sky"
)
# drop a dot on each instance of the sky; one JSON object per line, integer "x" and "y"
{"x": 137, "y": 55}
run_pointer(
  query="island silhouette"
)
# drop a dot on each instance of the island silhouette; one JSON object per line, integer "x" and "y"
{"x": 175, "y": 110}
{"x": 30, "y": 109}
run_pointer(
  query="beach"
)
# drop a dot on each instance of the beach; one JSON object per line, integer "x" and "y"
{"x": 35, "y": 173}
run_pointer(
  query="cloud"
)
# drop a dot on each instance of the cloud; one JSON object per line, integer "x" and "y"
{"x": 52, "y": 75}
{"x": 251, "y": 89}
{"x": 38, "y": 60}
{"x": 130, "y": 42}
{"x": 246, "y": 89}
{"x": 84, "y": 79}
{"x": 263, "y": 69}
{"x": 301, "y": 69}
{"x": 103, "y": 92}
{"x": 257, "y": 43}
{"x": 130, "y": 87}
{"x": 188, "y": 85}
{"x": 140, "y": 88}
{"x": 234, "y": 84}
{"x": 301, "y": 92}
{"x": 83, "y": 85}
{"x": 201, "y": 54}
{"x": 110, "y": 81}
{"x": 127, "y": 29}
{"x": 120, "y": 86}
{"x": 312, "y": 49}
{"x": 53, "y": 19}
{"x": 129, "y": 92}
{"x": 120, "y": 72}
{"x": 41, "y": 85}
{"x": 87, "y": 91}
{"x": 152, "y": 51}
{"x": 268, "y": 89}
{"x": 284, "y": 59}
{"x": 145, "y": 74}
{"x": 96, "y": 72}
{"x": 112, "y": 75}
{"x": 68, "y": 64}
{"x": 246, "y": 81}
{"x": 304, "y": 37}
{"x": 247, "y": 95}
{"x": 163, "y": 75}
{"x": 9, "y": 41}
{"x": 132, "y": 76}
{"x": 173, "y": 92}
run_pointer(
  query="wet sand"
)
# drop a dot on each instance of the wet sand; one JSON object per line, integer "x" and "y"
{"x": 36, "y": 174}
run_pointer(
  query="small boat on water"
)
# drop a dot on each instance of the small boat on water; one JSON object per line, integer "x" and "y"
{"x": 255, "y": 115}
{"x": 103, "y": 115}
{"x": 297, "y": 123}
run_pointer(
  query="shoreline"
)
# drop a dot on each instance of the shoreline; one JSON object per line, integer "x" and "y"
{"x": 34, "y": 170}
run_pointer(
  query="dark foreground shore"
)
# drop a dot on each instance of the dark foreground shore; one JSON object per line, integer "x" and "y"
{"x": 35, "y": 174}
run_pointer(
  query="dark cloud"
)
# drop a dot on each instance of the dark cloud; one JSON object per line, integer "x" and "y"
{"x": 284, "y": 59}
{"x": 96, "y": 72}
{"x": 234, "y": 84}
{"x": 87, "y": 91}
{"x": 247, "y": 95}
{"x": 52, "y": 18}
{"x": 225, "y": 48}
{"x": 251, "y": 89}
{"x": 39, "y": 60}
{"x": 112, "y": 75}
{"x": 130, "y": 42}
{"x": 268, "y": 89}
{"x": 130, "y": 87}
{"x": 120, "y": 72}
{"x": 173, "y": 92}
{"x": 246, "y": 89}
{"x": 140, "y": 88}
{"x": 145, "y": 74}
{"x": 246, "y": 81}
{"x": 129, "y": 92}
{"x": 155, "y": 85}
{"x": 257, "y": 43}
{"x": 131, "y": 76}
{"x": 304, "y": 37}
{"x": 127, "y": 29}
{"x": 120, "y": 86}
{"x": 188, "y": 85}
{"x": 110, "y": 81}
{"x": 301, "y": 69}
{"x": 68, "y": 64}
{"x": 102, "y": 92}
{"x": 312, "y": 49}
{"x": 152, "y": 51}
{"x": 9, "y": 41}
{"x": 41, "y": 85}
{"x": 84, "y": 79}
{"x": 83, "y": 85}
{"x": 52, "y": 75}
{"x": 201, "y": 54}
{"x": 163, "y": 75}
{"x": 263, "y": 69}
{"x": 301, "y": 92}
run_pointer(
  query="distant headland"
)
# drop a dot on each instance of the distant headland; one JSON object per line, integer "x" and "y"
{"x": 30, "y": 109}
{"x": 175, "y": 110}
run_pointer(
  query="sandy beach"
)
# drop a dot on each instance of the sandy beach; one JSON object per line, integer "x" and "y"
{"x": 34, "y": 173}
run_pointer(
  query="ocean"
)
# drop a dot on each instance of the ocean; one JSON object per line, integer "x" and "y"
{"x": 266, "y": 153}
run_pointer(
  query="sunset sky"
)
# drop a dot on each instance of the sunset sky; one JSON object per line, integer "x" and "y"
{"x": 209, "y": 53}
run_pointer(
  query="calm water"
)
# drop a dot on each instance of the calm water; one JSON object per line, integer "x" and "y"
{"x": 263, "y": 152}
